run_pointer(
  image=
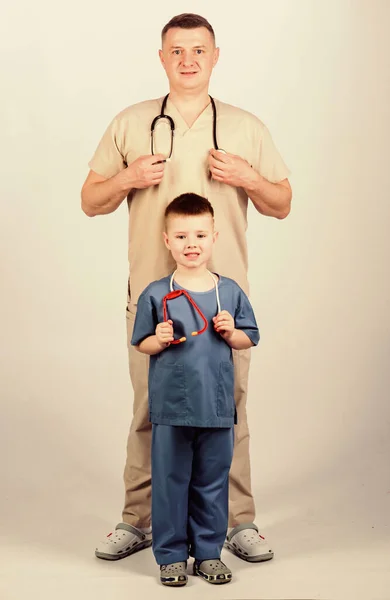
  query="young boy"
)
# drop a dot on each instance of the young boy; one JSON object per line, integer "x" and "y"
{"x": 189, "y": 337}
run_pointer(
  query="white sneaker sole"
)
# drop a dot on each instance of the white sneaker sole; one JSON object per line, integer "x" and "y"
{"x": 245, "y": 556}
{"x": 135, "y": 547}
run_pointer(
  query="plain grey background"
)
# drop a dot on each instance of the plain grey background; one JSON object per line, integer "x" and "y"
{"x": 317, "y": 73}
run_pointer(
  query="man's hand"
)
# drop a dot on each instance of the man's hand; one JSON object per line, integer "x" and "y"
{"x": 164, "y": 333}
{"x": 224, "y": 324}
{"x": 230, "y": 169}
{"x": 144, "y": 172}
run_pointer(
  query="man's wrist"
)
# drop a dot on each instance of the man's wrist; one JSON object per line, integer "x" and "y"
{"x": 254, "y": 182}
{"x": 122, "y": 180}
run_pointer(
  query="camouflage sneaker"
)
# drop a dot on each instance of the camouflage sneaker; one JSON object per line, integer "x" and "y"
{"x": 174, "y": 574}
{"x": 213, "y": 570}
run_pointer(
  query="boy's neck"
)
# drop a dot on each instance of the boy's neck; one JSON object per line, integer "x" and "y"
{"x": 197, "y": 280}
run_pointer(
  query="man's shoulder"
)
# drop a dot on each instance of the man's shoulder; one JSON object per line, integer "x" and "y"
{"x": 236, "y": 113}
{"x": 146, "y": 109}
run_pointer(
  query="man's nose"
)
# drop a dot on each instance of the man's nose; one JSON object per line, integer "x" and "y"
{"x": 187, "y": 59}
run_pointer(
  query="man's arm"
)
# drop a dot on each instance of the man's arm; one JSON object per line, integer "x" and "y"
{"x": 270, "y": 199}
{"x": 101, "y": 196}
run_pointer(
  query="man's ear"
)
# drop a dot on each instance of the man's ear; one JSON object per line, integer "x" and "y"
{"x": 161, "y": 55}
{"x": 216, "y": 56}
{"x": 165, "y": 236}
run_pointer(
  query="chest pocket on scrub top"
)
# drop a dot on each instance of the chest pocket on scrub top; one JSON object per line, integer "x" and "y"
{"x": 168, "y": 391}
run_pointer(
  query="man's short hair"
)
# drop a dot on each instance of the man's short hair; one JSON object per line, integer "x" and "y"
{"x": 187, "y": 21}
{"x": 189, "y": 205}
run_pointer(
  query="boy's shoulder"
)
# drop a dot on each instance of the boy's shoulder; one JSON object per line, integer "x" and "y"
{"x": 156, "y": 289}
{"x": 229, "y": 283}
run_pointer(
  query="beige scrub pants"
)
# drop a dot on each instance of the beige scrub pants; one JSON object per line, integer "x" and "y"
{"x": 137, "y": 474}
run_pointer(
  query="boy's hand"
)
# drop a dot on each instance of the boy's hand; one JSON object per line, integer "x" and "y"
{"x": 224, "y": 324}
{"x": 164, "y": 333}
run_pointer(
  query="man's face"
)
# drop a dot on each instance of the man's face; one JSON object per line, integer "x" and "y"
{"x": 190, "y": 239}
{"x": 188, "y": 57}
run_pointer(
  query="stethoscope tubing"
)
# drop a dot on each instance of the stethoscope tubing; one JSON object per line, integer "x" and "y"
{"x": 215, "y": 280}
{"x": 176, "y": 293}
{"x": 171, "y": 122}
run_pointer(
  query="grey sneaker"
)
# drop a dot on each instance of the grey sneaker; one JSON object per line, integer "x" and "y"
{"x": 174, "y": 574}
{"x": 246, "y": 542}
{"x": 213, "y": 570}
{"x": 122, "y": 542}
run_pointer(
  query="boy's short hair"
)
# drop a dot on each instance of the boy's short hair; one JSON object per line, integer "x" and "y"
{"x": 187, "y": 21}
{"x": 189, "y": 205}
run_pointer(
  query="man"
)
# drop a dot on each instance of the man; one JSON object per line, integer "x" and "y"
{"x": 124, "y": 166}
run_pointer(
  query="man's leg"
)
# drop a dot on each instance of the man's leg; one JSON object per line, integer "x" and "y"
{"x": 243, "y": 537}
{"x": 134, "y": 532}
{"x": 241, "y": 503}
{"x": 137, "y": 473}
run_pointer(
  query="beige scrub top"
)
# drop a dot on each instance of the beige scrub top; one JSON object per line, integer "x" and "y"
{"x": 238, "y": 132}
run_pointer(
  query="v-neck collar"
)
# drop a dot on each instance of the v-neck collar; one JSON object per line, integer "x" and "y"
{"x": 180, "y": 123}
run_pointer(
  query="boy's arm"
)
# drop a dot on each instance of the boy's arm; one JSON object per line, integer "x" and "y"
{"x": 154, "y": 344}
{"x": 236, "y": 338}
{"x": 151, "y": 345}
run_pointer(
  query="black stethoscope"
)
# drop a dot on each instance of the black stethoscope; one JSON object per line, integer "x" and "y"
{"x": 171, "y": 122}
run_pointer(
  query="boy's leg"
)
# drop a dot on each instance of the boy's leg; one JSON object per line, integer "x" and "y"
{"x": 208, "y": 495}
{"x": 172, "y": 457}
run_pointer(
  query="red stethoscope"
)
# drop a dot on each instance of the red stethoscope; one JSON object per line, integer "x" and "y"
{"x": 176, "y": 293}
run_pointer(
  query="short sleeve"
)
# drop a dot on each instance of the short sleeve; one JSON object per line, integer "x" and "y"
{"x": 145, "y": 320}
{"x": 244, "y": 318}
{"x": 269, "y": 162}
{"x": 108, "y": 159}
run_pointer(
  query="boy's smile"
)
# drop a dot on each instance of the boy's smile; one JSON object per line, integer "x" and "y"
{"x": 190, "y": 239}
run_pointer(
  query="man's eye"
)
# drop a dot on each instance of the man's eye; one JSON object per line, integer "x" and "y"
{"x": 199, "y": 51}
{"x": 176, "y": 52}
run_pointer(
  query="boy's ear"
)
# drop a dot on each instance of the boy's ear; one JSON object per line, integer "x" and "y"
{"x": 215, "y": 235}
{"x": 165, "y": 236}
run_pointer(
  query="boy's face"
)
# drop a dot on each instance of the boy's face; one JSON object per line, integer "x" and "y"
{"x": 190, "y": 239}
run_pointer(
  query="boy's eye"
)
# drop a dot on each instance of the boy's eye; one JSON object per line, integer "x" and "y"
{"x": 180, "y": 237}
{"x": 201, "y": 235}
{"x": 198, "y": 51}
{"x": 177, "y": 52}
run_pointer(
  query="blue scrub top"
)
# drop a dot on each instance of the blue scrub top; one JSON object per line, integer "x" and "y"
{"x": 192, "y": 383}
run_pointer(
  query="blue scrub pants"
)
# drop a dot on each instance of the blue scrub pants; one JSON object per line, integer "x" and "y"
{"x": 190, "y": 479}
